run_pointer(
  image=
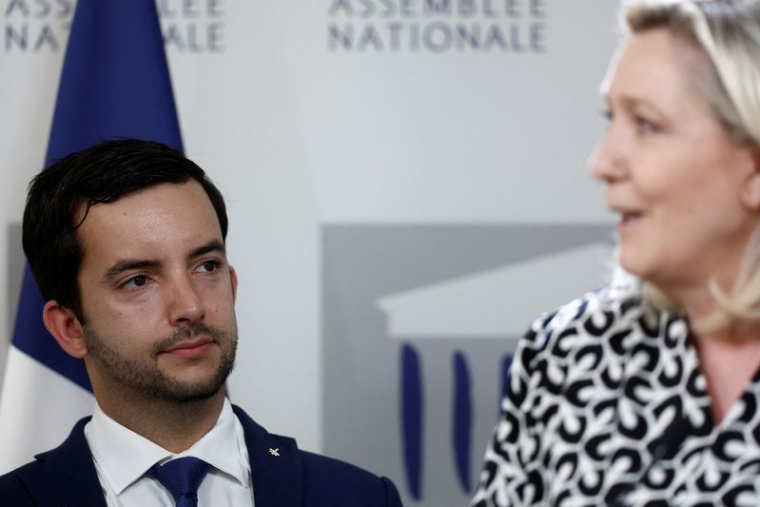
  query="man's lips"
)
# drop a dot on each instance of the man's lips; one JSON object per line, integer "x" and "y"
{"x": 192, "y": 348}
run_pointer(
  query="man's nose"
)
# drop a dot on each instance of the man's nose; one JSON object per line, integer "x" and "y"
{"x": 185, "y": 303}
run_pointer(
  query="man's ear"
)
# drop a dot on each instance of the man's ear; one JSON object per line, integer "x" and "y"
{"x": 65, "y": 328}
{"x": 751, "y": 188}
{"x": 233, "y": 282}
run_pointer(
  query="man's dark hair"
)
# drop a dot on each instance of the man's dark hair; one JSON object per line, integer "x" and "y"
{"x": 60, "y": 197}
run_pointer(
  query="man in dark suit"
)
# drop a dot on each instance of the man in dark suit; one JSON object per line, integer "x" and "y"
{"x": 126, "y": 241}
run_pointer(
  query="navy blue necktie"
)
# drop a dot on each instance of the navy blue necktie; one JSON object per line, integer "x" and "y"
{"x": 181, "y": 477}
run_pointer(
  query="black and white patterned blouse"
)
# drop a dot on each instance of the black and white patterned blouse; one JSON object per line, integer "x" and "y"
{"x": 607, "y": 406}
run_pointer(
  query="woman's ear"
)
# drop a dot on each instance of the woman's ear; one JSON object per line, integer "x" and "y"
{"x": 751, "y": 188}
{"x": 65, "y": 328}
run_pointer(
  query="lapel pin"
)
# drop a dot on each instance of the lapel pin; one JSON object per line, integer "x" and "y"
{"x": 275, "y": 452}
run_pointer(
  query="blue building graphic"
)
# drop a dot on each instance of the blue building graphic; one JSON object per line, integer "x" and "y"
{"x": 420, "y": 324}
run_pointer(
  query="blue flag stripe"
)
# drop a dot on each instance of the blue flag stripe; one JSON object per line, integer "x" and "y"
{"x": 115, "y": 80}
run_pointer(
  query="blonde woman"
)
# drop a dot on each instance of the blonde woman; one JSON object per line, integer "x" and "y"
{"x": 647, "y": 392}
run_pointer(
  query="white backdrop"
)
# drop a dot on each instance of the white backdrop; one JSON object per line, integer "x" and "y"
{"x": 311, "y": 114}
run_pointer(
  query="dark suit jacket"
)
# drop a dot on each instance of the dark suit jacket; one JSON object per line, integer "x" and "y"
{"x": 66, "y": 476}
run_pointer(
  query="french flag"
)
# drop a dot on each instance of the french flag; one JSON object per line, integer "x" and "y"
{"x": 115, "y": 83}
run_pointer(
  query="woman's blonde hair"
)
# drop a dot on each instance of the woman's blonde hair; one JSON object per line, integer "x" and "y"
{"x": 727, "y": 34}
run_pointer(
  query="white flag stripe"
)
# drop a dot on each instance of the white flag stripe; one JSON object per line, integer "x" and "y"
{"x": 42, "y": 425}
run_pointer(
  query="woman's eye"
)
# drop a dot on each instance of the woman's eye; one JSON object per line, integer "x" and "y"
{"x": 644, "y": 126}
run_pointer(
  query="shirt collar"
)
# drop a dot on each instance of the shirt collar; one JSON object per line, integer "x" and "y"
{"x": 123, "y": 456}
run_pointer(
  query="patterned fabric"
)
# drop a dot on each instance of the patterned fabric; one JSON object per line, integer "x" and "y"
{"x": 181, "y": 477}
{"x": 607, "y": 406}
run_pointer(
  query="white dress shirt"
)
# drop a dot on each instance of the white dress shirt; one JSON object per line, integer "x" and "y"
{"x": 122, "y": 457}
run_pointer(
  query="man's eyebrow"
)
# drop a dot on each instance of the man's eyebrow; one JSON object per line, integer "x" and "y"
{"x": 128, "y": 265}
{"x": 212, "y": 246}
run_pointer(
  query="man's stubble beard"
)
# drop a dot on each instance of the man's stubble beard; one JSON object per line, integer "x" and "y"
{"x": 145, "y": 378}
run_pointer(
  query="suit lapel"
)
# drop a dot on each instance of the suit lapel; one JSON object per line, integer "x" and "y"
{"x": 66, "y": 476}
{"x": 275, "y": 466}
